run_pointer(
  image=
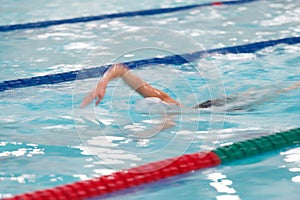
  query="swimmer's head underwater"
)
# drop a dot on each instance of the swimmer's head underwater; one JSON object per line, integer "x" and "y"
{"x": 206, "y": 104}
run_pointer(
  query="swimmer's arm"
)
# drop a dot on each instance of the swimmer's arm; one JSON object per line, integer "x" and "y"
{"x": 292, "y": 87}
{"x": 145, "y": 89}
{"x": 137, "y": 84}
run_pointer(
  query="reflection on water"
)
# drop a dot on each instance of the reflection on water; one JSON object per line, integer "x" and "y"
{"x": 15, "y": 149}
{"x": 292, "y": 157}
{"x": 223, "y": 186}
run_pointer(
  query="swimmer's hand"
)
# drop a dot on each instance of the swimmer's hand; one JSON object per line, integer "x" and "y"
{"x": 98, "y": 94}
{"x": 115, "y": 71}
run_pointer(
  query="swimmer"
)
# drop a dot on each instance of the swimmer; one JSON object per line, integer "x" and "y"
{"x": 146, "y": 90}
{"x": 133, "y": 81}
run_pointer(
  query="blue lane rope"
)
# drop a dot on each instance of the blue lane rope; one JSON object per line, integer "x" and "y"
{"x": 44, "y": 24}
{"x": 174, "y": 59}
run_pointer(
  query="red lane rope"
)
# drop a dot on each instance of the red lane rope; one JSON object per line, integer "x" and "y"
{"x": 217, "y": 3}
{"x": 126, "y": 179}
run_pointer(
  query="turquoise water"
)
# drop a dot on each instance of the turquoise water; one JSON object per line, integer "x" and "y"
{"x": 46, "y": 140}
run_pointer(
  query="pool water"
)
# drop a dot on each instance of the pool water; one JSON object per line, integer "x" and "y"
{"x": 47, "y": 140}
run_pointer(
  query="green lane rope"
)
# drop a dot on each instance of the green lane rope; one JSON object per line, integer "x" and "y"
{"x": 258, "y": 146}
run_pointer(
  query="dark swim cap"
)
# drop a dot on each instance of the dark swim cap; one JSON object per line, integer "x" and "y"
{"x": 205, "y": 104}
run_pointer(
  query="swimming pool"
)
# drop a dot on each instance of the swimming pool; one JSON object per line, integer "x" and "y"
{"x": 46, "y": 140}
